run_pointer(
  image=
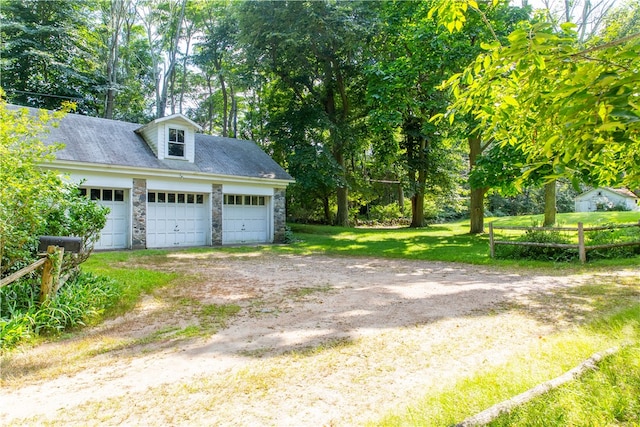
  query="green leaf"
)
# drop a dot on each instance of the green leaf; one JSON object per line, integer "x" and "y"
{"x": 602, "y": 112}
{"x": 510, "y": 101}
{"x": 611, "y": 126}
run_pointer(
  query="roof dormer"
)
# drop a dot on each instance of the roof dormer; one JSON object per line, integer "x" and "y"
{"x": 171, "y": 137}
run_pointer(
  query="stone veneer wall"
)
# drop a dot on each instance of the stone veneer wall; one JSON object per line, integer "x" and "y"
{"x": 139, "y": 223}
{"x": 216, "y": 215}
{"x": 279, "y": 215}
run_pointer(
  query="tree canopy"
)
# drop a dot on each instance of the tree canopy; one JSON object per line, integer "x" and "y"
{"x": 346, "y": 95}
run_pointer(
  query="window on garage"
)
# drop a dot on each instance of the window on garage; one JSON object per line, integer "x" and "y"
{"x": 104, "y": 194}
{"x": 234, "y": 199}
{"x": 168, "y": 197}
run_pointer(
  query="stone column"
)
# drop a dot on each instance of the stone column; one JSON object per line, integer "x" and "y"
{"x": 216, "y": 215}
{"x": 139, "y": 214}
{"x": 279, "y": 215}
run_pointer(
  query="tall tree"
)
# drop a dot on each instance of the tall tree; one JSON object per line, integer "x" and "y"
{"x": 46, "y": 54}
{"x": 216, "y": 55}
{"x": 313, "y": 50}
{"x": 163, "y": 22}
{"x": 568, "y": 108}
{"x": 413, "y": 56}
{"x": 114, "y": 13}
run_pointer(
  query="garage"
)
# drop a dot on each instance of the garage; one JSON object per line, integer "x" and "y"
{"x": 115, "y": 234}
{"x": 176, "y": 219}
{"x": 245, "y": 219}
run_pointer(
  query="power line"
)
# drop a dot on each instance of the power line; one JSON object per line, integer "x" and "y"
{"x": 44, "y": 94}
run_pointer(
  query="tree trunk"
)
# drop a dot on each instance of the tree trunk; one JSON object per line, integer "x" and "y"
{"x": 401, "y": 198}
{"x": 476, "y": 204}
{"x": 417, "y": 201}
{"x": 225, "y": 101}
{"x": 550, "y": 204}
{"x": 342, "y": 218}
{"x": 417, "y": 209}
{"x": 162, "y": 95}
{"x": 117, "y": 11}
{"x": 327, "y": 210}
{"x": 476, "y": 210}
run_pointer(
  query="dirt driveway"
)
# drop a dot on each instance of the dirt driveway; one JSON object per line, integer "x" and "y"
{"x": 318, "y": 341}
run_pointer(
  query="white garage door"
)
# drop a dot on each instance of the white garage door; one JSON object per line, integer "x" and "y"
{"x": 176, "y": 219}
{"x": 115, "y": 234}
{"x": 245, "y": 219}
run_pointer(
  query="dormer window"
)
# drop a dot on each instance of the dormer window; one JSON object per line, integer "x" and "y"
{"x": 176, "y": 142}
{"x": 171, "y": 137}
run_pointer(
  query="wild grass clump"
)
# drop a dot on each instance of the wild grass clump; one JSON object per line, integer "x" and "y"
{"x": 605, "y": 396}
{"x": 539, "y": 253}
{"x": 80, "y": 301}
{"x": 619, "y": 235}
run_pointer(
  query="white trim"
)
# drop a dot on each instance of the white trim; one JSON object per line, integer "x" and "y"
{"x": 182, "y": 185}
{"x": 100, "y": 180}
{"x": 173, "y": 117}
{"x": 138, "y": 172}
{"x": 247, "y": 190}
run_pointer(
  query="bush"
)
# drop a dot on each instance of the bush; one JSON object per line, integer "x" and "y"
{"x": 620, "y": 235}
{"x": 80, "y": 301}
{"x": 387, "y": 214}
{"x": 539, "y": 253}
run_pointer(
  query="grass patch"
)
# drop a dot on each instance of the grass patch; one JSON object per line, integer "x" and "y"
{"x": 607, "y": 396}
{"x": 134, "y": 282}
{"x": 549, "y": 359}
{"x": 300, "y": 293}
{"x": 440, "y": 242}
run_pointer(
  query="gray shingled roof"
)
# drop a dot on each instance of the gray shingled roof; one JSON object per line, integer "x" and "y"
{"x": 111, "y": 142}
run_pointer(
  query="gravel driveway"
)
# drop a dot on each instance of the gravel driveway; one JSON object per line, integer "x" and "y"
{"x": 391, "y": 330}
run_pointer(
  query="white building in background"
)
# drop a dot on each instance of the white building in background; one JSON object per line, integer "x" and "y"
{"x": 603, "y": 198}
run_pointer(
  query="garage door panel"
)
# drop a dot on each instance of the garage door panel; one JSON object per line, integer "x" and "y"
{"x": 245, "y": 219}
{"x": 181, "y": 222}
{"x": 115, "y": 233}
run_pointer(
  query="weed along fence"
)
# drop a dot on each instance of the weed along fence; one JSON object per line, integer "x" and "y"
{"x": 575, "y": 238}
{"x": 51, "y": 263}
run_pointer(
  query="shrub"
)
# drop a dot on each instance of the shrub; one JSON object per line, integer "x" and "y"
{"x": 386, "y": 214}
{"x": 619, "y": 235}
{"x": 83, "y": 299}
{"x": 540, "y": 253}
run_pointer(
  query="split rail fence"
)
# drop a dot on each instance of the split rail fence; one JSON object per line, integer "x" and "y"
{"x": 580, "y": 246}
{"x": 51, "y": 263}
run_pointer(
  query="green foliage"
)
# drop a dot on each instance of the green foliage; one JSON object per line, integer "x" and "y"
{"x": 82, "y": 300}
{"x": 75, "y": 215}
{"x": 606, "y": 396}
{"x": 47, "y": 55}
{"x": 620, "y": 235}
{"x": 572, "y": 112}
{"x": 531, "y": 201}
{"x": 44, "y": 204}
{"x": 388, "y": 214}
{"x": 28, "y": 194}
{"x": 538, "y": 253}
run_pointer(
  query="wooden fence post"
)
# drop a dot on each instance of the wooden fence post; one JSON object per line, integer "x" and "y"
{"x": 581, "y": 249}
{"x": 492, "y": 251}
{"x": 51, "y": 272}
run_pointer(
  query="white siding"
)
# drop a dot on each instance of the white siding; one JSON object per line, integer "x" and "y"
{"x": 183, "y": 185}
{"x": 247, "y": 189}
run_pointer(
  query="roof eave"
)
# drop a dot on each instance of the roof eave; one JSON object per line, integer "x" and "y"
{"x": 73, "y": 166}
{"x": 177, "y": 116}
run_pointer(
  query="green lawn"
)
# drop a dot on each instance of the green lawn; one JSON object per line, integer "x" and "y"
{"x": 440, "y": 242}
